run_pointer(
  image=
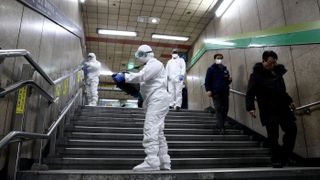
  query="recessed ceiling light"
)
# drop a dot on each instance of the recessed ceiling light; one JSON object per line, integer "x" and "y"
{"x": 116, "y": 33}
{"x": 154, "y": 20}
{"x": 147, "y": 19}
{"x": 169, "y": 37}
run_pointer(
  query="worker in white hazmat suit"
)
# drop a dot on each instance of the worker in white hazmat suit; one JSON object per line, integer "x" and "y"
{"x": 91, "y": 68}
{"x": 152, "y": 79}
{"x": 176, "y": 70}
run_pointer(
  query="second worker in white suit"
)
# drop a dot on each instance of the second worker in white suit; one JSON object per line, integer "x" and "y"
{"x": 176, "y": 69}
{"x": 153, "y": 87}
{"x": 91, "y": 68}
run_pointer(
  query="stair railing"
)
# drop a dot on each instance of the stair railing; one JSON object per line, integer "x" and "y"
{"x": 21, "y": 136}
{"x": 305, "y": 108}
{"x": 27, "y": 55}
{"x": 30, "y": 83}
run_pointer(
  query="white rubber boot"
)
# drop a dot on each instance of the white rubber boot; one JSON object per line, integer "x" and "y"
{"x": 145, "y": 167}
{"x": 165, "y": 162}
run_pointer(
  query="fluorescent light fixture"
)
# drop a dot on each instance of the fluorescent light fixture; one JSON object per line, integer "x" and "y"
{"x": 255, "y": 45}
{"x": 132, "y": 100}
{"x": 110, "y": 100}
{"x": 116, "y": 33}
{"x": 223, "y": 7}
{"x": 219, "y": 42}
{"x": 195, "y": 78}
{"x": 168, "y": 37}
{"x": 82, "y": 1}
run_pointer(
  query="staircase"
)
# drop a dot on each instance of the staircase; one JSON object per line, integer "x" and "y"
{"x": 110, "y": 139}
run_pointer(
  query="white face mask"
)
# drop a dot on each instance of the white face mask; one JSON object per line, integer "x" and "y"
{"x": 175, "y": 56}
{"x": 143, "y": 59}
{"x": 218, "y": 61}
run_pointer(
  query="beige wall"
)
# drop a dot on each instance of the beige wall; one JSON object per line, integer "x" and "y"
{"x": 56, "y": 50}
{"x": 302, "y": 63}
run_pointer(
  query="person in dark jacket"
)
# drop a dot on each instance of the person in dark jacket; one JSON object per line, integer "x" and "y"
{"x": 217, "y": 86}
{"x": 184, "y": 104}
{"x": 276, "y": 106}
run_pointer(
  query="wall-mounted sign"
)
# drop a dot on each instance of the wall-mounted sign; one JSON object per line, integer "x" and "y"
{"x": 78, "y": 76}
{"x": 21, "y": 101}
{"x": 57, "y": 90}
{"x": 49, "y": 10}
{"x": 65, "y": 86}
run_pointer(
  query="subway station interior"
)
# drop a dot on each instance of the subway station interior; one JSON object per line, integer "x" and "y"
{"x": 50, "y": 129}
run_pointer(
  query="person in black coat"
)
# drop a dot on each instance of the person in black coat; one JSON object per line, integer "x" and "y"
{"x": 275, "y": 105}
{"x": 217, "y": 86}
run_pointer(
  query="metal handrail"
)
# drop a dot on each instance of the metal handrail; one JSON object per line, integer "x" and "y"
{"x": 238, "y": 92}
{"x": 16, "y": 86}
{"x": 304, "y": 107}
{"x": 67, "y": 75}
{"x": 28, "y": 57}
{"x": 28, "y": 135}
{"x": 307, "y": 106}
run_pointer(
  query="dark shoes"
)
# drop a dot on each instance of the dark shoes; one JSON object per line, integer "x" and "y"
{"x": 177, "y": 108}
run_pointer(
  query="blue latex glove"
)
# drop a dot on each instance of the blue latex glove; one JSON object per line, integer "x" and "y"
{"x": 181, "y": 77}
{"x": 118, "y": 77}
{"x": 85, "y": 68}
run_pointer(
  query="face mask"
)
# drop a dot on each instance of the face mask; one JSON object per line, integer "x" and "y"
{"x": 143, "y": 59}
{"x": 175, "y": 56}
{"x": 218, "y": 61}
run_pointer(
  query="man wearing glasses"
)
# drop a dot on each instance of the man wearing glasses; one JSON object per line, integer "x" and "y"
{"x": 276, "y": 106}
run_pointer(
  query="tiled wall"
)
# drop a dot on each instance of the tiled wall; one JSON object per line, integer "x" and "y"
{"x": 302, "y": 63}
{"x": 56, "y": 50}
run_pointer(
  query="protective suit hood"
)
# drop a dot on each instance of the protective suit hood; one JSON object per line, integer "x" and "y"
{"x": 144, "y": 53}
{"x": 91, "y": 56}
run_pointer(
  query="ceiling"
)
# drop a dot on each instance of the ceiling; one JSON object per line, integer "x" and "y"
{"x": 177, "y": 17}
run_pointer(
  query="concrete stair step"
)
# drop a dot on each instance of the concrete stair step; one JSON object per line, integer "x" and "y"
{"x": 111, "y": 139}
{"x": 177, "y": 163}
{"x": 142, "y": 116}
{"x": 99, "y": 129}
{"x": 170, "y": 113}
{"x": 99, "y": 108}
{"x": 169, "y": 137}
{"x": 171, "y": 144}
{"x": 108, "y": 118}
{"x": 174, "y": 153}
{"x": 140, "y": 124}
{"x": 252, "y": 173}
{"x": 123, "y": 113}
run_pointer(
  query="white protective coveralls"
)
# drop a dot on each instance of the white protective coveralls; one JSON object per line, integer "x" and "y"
{"x": 93, "y": 72}
{"x": 152, "y": 79}
{"x": 175, "y": 67}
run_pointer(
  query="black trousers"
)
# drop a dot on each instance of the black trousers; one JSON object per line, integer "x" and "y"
{"x": 221, "y": 105}
{"x": 289, "y": 127}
